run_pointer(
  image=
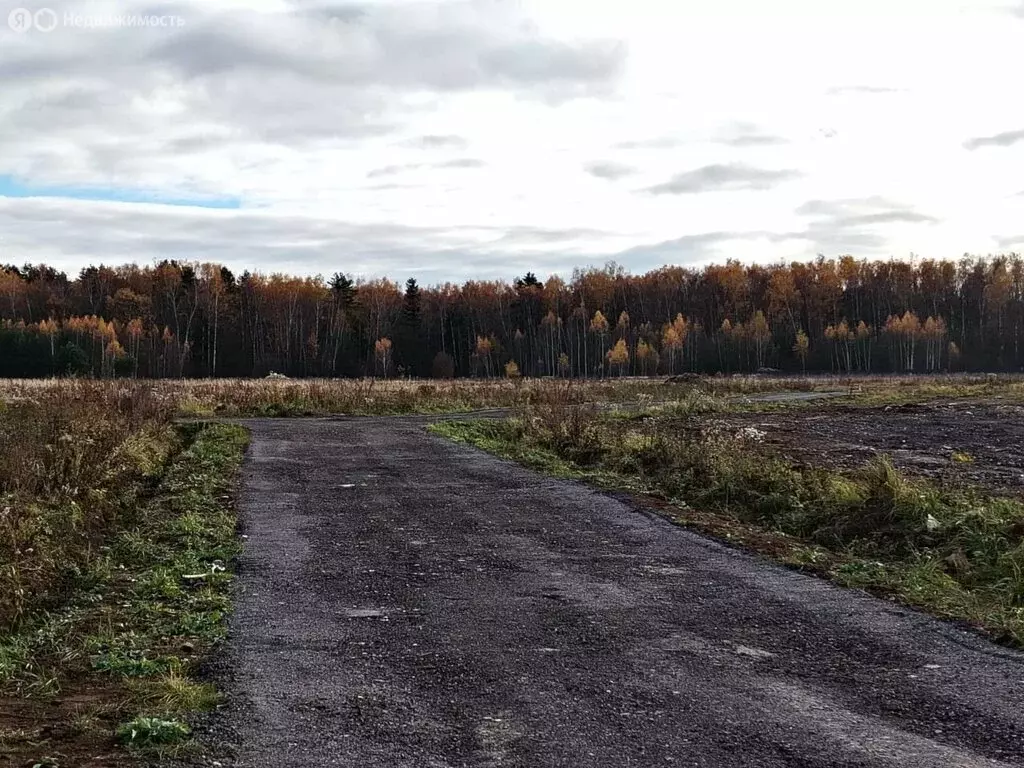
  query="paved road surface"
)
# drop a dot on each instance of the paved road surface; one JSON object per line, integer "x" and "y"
{"x": 405, "y": 602}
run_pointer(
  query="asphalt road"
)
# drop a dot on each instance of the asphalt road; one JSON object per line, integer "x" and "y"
{"x": 408, "y": 602}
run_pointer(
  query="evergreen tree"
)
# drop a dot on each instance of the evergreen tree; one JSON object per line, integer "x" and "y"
{"x": 410, "y": 341}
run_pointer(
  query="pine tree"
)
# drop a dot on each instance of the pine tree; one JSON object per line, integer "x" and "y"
{"x": 410, "y": 344}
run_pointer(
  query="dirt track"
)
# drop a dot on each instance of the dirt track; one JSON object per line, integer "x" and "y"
{"x": 411, "y": 603}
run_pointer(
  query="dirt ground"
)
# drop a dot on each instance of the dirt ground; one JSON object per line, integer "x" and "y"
{"x": 72, "y": 729}
{"x": 956, "y": 443}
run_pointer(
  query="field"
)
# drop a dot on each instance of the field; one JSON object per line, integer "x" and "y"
{"x": 320, "y": 397}
{"x": 118, "y": 530}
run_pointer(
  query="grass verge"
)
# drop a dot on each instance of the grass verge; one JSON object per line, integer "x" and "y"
{"x": 956, "y": 553}
{"x": 109, "y": 675}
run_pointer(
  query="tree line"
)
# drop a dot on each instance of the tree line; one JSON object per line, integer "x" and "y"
{"x": 179, "y": 319}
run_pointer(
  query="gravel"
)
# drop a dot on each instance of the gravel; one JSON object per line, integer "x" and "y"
{"x": 404, "y": 601}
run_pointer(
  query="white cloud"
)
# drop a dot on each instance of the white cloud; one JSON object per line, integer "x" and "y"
{"x": 724, "y": 178}
{"x": 477, "y": 137}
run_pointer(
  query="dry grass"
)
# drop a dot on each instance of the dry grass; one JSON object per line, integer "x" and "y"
{"x": 311, "y": 397}
{"x": 73, "y": 457}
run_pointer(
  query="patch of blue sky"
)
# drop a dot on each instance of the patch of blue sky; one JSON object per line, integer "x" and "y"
{"x": 12, "y": 187}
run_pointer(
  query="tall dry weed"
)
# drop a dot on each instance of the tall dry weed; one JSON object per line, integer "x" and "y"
{"x": 73, "y": 457}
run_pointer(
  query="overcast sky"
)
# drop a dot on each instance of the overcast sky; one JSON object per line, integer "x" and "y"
{"x": 482, "y": 139}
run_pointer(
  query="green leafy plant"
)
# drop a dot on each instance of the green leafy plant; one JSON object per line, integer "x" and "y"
{"x": 151, "y": 732}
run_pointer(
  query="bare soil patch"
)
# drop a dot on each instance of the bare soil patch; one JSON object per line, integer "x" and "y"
{"x": 71, "y": 729}
{"x": 951, "y": 442}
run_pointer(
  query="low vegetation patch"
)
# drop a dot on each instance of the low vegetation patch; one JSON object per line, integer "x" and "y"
{"x": 898, "y": 390}
{"x": 122, "y": 552}
{"x": 74, "y": 460}
{"x": 383, "y": 397}
{"x": 281, "y": 396}
{"x": 957, "y": 552}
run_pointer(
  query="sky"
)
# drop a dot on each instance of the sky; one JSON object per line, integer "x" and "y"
{"x": 480, "y": 139}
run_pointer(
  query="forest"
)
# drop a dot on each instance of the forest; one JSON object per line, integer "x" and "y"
{"x": 845, "y": 315}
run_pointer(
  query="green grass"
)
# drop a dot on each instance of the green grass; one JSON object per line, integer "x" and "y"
{"x": 956, "y": 553}
{"x": 146, "y": 610}
{"x": 152, "y": 735}
{"x": 175, "y": 693}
